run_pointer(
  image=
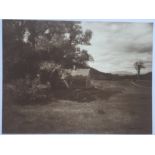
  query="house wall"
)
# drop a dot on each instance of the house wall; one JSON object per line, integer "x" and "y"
{"x": 79, "y": 78}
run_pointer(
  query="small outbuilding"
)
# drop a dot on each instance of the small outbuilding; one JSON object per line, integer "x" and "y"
{"x": 76, "y": 77}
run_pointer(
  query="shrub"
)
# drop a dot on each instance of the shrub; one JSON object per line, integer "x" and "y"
{"x": 28, "y": 91}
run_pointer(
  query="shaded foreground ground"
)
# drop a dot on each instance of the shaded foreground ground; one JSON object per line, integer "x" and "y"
{"x": 114, "y": 107}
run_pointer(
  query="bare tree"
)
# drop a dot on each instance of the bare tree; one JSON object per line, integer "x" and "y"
{"x": 138, "y": 66}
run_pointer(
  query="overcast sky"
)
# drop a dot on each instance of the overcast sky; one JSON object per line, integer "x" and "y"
{"x": 116, "y": 46}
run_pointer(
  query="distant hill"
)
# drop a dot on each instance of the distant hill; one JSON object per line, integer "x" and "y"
{"x": 123, "y": 73}
{"x": 95, "y": 74}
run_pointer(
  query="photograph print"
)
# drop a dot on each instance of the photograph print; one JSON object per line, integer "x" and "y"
{"x": 77, "y": 77}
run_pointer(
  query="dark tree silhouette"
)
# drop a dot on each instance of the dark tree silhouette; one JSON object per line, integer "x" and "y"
{"x": 138, "y": 66}
{"x": 29, "y": 43}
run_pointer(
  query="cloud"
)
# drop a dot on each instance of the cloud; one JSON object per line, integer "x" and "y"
{"x": 139, "y": 48}
{"x": 116, "y": 46}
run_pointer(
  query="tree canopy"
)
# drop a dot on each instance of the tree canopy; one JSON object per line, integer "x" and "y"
{"x": 29, "y": 43}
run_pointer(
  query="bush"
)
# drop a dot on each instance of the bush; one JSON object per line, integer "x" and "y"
{"x": 28, "y": 91}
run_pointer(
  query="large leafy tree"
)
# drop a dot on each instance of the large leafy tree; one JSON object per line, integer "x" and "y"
{"x": 29, "y": 43}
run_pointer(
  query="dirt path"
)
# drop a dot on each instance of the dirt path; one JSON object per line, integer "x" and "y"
{"x": 139, "y": 85}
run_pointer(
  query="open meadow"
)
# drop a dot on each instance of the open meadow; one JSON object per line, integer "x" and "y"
{"x": 111, "y": 107}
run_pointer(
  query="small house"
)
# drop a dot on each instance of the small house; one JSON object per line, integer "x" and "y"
{"x": 77, "y": 77}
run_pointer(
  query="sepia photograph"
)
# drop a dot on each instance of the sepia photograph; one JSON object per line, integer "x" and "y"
{"x": 77, "y": 77}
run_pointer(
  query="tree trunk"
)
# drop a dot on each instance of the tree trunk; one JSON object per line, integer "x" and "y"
{"x": 138, "y": 75}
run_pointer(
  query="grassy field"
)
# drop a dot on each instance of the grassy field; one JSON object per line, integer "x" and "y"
{"x": 112, "y": 107}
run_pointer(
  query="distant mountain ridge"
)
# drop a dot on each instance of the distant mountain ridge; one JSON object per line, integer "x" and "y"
{"x": 95, "y": 74}
{"x": 123, "y": 73}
